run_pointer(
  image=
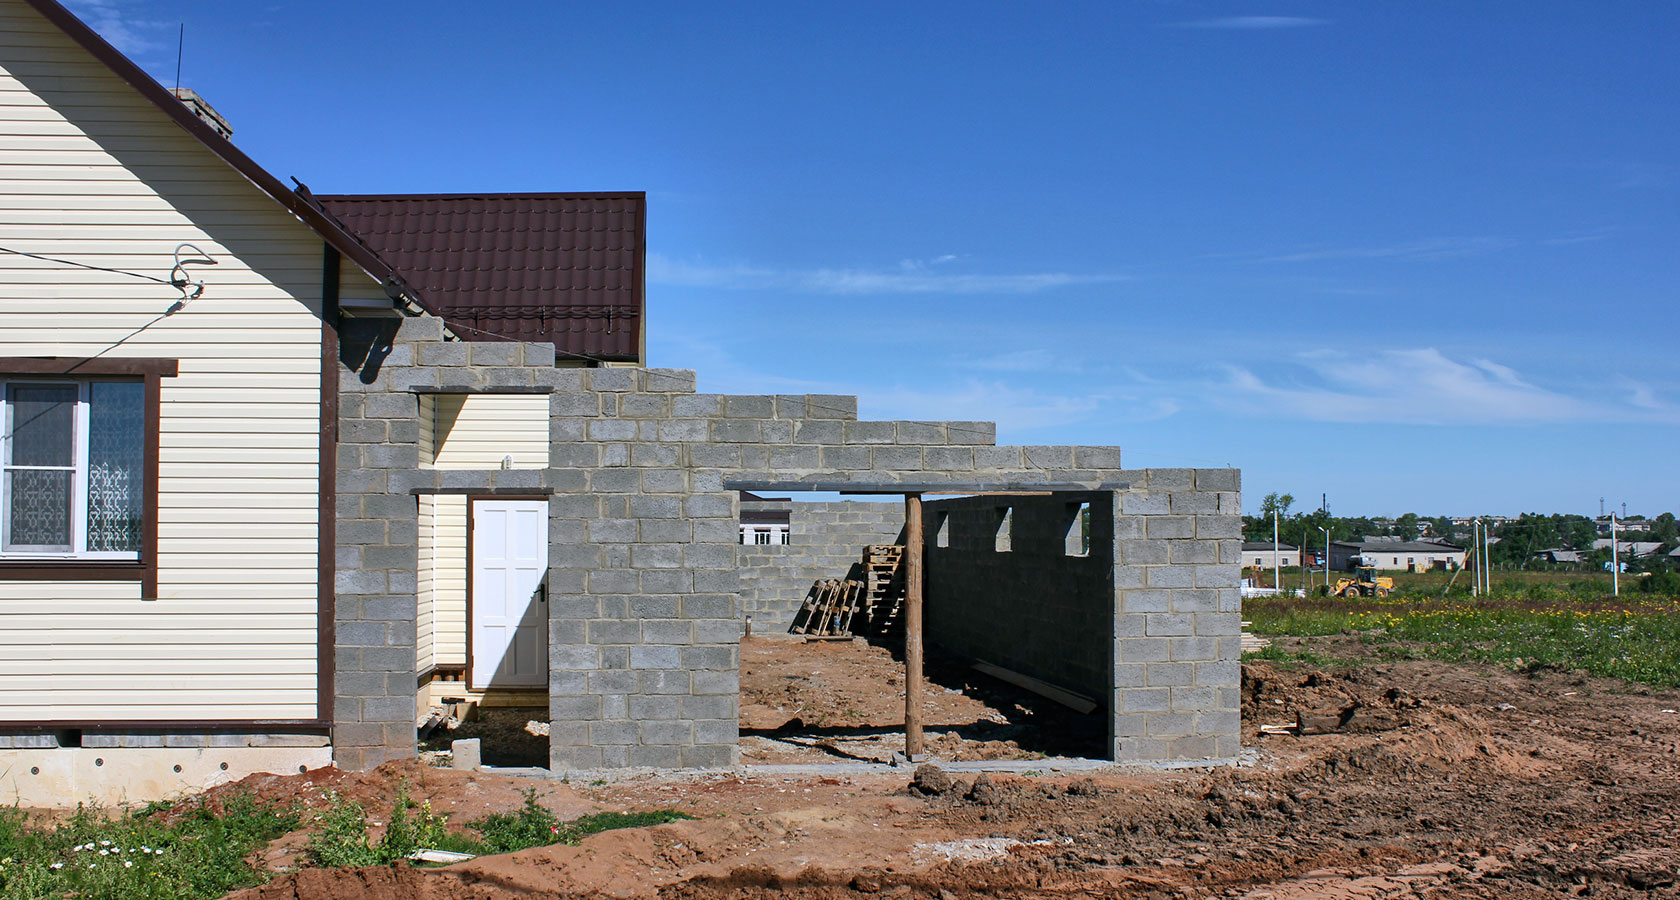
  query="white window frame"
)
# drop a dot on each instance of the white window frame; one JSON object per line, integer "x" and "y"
{"x": 79, "y": 480}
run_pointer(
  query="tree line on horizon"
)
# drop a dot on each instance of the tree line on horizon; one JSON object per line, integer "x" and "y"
{"x": 1519, "y": 538}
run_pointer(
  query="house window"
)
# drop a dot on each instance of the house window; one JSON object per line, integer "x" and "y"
{"x": 782, "y": 536}
{"x": 73, "y": 458}
{"x": 761, "y": 536}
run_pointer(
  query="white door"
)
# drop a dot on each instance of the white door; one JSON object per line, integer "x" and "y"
{"x": 509, "y": 616}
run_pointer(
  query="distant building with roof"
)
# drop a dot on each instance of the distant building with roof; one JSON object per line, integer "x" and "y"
{"x": 1557, "y": 555}
{"x": 1630, "y": 549}
{"x": 1259, "y": 554}
{"x": 1392, "y": 554}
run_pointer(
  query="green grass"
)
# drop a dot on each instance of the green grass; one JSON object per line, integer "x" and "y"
{"x": 1287, "y": 659}
{"x": 342, "y": 839}
{"x": 1636, "y": 638}
{"x": 198, "y": 853}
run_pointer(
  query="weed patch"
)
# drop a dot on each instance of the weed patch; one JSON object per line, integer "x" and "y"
{"x": 342, "y": 838}
{"x": 1633, "y": 638}
{"x": 138, "y": 856}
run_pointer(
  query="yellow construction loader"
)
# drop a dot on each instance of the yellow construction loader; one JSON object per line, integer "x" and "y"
{"x": 1364, "y": 583}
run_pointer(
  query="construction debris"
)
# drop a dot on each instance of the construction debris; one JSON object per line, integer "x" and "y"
{"x": 838, "y": 608}
{"x": 829, "y": 609}
{"x": 1079, "y": 703}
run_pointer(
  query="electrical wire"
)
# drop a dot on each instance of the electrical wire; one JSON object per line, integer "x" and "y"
{"x": 82, "y": 265}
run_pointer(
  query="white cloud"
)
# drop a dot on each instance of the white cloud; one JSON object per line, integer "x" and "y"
{"x": 118, "y": 26}
{"x": 1012, "y": 408}
{"x": 1423, "y": 387}
{"x": 1429, "y": 248}
{"x": 910, "y": 277}
{"x": 1037, "y": 360}
{"x": 1253, "y": 23}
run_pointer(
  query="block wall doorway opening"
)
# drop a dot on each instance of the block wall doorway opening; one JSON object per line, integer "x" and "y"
{"x": 482, "y": 628}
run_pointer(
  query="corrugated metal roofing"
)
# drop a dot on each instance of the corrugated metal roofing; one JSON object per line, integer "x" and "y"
{"x": 566, "y": 269}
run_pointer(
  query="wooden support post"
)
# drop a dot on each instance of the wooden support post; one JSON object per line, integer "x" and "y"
{"x": 913, "y": 626}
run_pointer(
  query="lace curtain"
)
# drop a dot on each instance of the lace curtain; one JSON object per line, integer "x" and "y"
{"x": 116, "y": 429}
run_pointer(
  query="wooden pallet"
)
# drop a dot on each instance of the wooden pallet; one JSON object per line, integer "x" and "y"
{"x": 829, "y": 609}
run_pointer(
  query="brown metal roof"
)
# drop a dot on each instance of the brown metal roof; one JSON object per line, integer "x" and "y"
{"x": 566, "y": 269}
{"x": 323, "y": 225}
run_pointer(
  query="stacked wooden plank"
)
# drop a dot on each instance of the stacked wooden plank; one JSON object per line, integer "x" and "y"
{"x": 883, "y": 570}
{"x": 829, "y": 609}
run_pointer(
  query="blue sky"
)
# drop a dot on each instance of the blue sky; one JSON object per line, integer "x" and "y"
{"x": 1417, "y": 258}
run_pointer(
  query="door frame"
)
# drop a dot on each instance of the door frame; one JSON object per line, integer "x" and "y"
{"x": 471, "y": 631}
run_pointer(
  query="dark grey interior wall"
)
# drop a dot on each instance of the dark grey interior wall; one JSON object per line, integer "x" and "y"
{"x": 825, "y": 540}
{"x": 1039, "y": 607}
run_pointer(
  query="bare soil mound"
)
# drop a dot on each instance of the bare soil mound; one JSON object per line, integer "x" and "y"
{"x": 1448, "y": 781}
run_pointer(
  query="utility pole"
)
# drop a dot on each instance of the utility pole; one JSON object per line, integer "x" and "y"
{"x": 1615, "y": 561}
{"x": 1326, "y": 558}
{"x": 1476, "y": 556}
{"x": 1487, "y": 562}
{"x": 1277, "y": 567}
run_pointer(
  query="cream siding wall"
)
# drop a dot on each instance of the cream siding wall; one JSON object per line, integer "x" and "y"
{"x": 424, "y": 657}
{"x": 475, "y": 431}
{"x": 449, "y": 584}
{"x": 90, "y": 171}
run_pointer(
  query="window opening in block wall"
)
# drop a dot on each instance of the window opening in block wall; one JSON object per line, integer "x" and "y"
{"x": 1078, "y": 541}
{"x": 1006, "y": 517}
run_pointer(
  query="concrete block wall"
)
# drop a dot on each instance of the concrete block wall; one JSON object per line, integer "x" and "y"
{"x": 1178, "y": 615}
{"x": 1035, "y": 608}
{"x": 825, "y": 540}
{"x": 644, "y": 581}
{"x": 377, "y": 508}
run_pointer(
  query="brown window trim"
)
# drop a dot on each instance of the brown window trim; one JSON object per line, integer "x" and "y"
{"x": 144, "y": 570}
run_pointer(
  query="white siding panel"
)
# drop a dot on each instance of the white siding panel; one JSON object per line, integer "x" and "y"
{"x": 89, "y": 171}
{"x": 94, "y": 650}
{"x": 449, "y": 586}
{"x": 424, "y": 655}
{"x": 475, "y": 431}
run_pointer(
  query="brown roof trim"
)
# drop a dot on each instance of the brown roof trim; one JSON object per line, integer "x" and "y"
{"x": 136, "y": 77}
{"x": 511, "y": 195}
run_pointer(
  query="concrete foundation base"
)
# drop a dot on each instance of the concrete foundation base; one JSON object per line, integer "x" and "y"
{"x": 63, "y": 777}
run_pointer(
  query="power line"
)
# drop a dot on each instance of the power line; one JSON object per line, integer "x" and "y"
{"x": 90, "y": 266}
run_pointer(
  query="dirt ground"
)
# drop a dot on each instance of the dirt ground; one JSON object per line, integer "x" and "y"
{"x": 839, "y": 701}
{"x": 1444, "y": 781}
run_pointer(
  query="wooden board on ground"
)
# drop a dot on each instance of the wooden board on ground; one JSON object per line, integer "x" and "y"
{"x": 1076, "y": 702}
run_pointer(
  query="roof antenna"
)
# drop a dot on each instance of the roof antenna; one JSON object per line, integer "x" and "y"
{"x": 180, "y": 46}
